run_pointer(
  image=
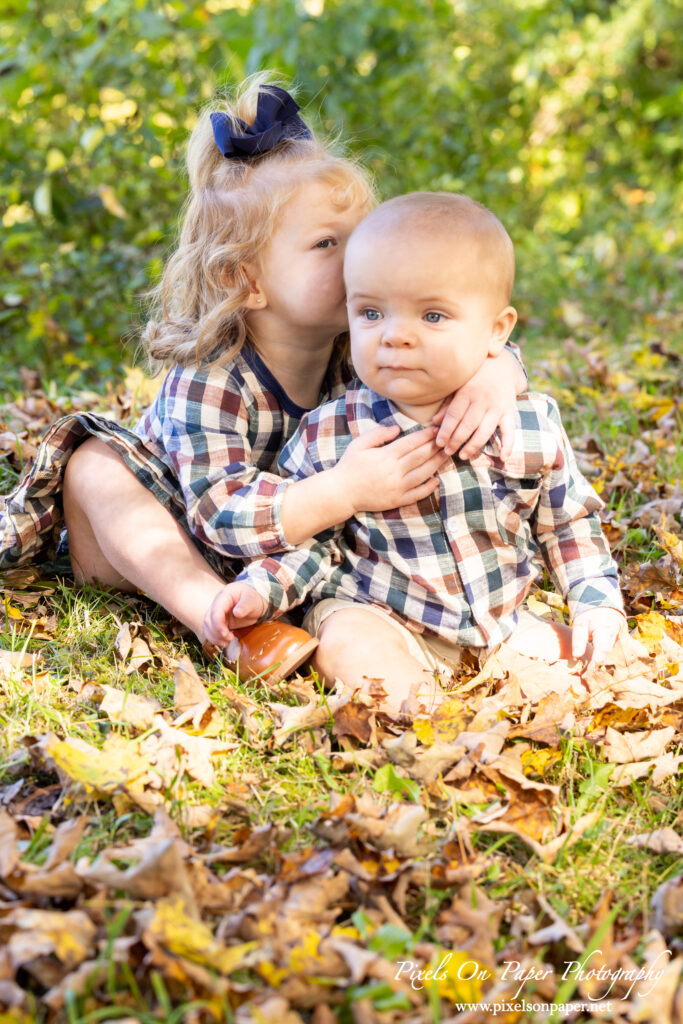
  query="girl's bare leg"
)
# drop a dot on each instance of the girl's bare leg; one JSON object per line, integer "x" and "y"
{"x": 357, "y": 646}
{"x": 121, "y": 536}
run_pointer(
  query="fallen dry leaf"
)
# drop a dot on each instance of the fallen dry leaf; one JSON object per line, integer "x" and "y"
{"x": 159, "y": 870}
{"x": 9, "y": 855}
{"x": 667, "y": 906}
{"x": 16, "y": 660}
{"x": 661, "y": 840}
{"x": 189, "y": 689}
{"x": 653, "y": 998}
{"x": 122, "y": 706}
{"x": 69, "y": 935}
{"x": 635, "y": 746}
{"x": 183, "y": 935}
{"x": 661, "y": 768}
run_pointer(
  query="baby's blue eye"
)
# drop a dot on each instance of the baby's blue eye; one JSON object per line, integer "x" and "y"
{"x": 325, "y": 243}
{"x": 371, "y": 314}
{"x": 433, "y": 318}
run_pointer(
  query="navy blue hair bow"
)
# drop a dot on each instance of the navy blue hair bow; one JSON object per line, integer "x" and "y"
{"x": 276, "y": 119}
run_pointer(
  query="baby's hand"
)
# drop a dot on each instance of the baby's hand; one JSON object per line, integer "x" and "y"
{"x": 234, "y": 606}
{"x": 376, "y": 476}
{"x": 599, "y": 625}
{"x": 488, "y": 400}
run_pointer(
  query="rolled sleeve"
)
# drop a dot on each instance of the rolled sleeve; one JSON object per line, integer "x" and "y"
{"x": 284, "y": 580}
{"x": 231, "y": 505}
{"x": 569, "y": 533}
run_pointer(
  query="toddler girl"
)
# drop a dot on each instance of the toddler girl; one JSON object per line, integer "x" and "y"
{"x": 251, "y": 316}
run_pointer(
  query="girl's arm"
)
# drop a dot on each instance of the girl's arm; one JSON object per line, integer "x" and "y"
{"x": 202, "y": 421}
{"x": 486, "y": 402}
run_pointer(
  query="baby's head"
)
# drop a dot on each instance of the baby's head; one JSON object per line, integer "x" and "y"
{"x": 233, "y": 211}
{"x": 428, "y": 281}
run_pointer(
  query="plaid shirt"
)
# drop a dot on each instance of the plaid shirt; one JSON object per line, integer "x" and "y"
{"x": 459, "y": 564}
{"x": 207, "y": 448}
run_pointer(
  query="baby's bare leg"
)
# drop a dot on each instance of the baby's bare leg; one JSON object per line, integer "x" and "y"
{"x": 357, "y": 646}
{"x": 537, "y": 638}
{"x": 121, "y": 536}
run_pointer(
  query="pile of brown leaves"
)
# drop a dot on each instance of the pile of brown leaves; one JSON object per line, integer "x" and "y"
{"x": 221, "y": 928}
{"x": 270, "y": 930}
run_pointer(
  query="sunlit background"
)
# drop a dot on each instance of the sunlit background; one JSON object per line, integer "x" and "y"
{"x": 563, "y": 117}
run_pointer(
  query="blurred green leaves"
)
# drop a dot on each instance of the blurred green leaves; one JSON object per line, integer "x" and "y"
{"x": 564, "y": 118}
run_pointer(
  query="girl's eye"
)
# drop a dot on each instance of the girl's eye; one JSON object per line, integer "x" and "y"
{"x": 371, "y": 314}
{"x": 434, "y": 318}
{"x": 325, "y": 243}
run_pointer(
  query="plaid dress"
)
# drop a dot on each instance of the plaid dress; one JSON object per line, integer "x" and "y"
{"x": 459, "y": 563}
{"x": 207, "y": 448}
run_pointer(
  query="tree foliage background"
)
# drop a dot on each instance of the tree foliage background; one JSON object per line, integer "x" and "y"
{"x": 565, "y": 118}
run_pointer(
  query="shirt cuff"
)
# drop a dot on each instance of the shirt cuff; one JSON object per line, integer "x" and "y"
{"x": 601, "y": 592}
{"x": 268, "y": 587}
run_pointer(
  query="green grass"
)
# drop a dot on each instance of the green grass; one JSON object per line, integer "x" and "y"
{"x": 290, "y": 786}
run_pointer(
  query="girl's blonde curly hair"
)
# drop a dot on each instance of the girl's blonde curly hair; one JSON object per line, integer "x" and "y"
{"x": 233, "y": 208}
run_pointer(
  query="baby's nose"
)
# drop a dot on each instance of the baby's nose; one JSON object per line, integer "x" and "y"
{"x": 397, "y": 332}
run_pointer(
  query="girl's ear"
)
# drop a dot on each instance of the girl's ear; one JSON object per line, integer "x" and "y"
{"x": 255, "y": 298}
{"x": 502, "y": 329}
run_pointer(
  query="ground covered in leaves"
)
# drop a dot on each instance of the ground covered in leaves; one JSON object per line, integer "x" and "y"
{"x": 177, "y": 846}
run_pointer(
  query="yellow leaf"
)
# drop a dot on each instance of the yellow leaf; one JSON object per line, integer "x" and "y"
{"x": 539, "y": 761}
{"x": 304, "y": 952}
{"x": 424, "y": 731}
{"x": 459, "y": 976}
{"x": 173, "y": 928}
{"x": 446, "y": 724}
{"x": 273, "y": 975}
{"x": 110, "y": 202}
{"x": 538, "y": 607}
{"x": 651, "y": 629}
{"x": 99, "y": 771}
{"x": 341, "y": 931}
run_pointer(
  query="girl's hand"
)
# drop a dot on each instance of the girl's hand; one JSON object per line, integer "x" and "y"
{"x": 488, "y": 400}
{"x": 234, "y": 606}
{"x": 599, "y": 625}
{"x": 376, "y": 474}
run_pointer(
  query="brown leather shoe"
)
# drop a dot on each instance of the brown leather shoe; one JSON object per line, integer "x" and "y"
{"x": 272, "y": 650}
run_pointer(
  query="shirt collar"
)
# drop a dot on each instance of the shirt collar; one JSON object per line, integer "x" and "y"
{"x": 386, "y": 414}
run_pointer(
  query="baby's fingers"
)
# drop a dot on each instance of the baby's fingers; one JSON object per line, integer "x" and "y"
{"x": 580, "y": 635}
{"x": 421, "y": 491}
{"x": 604, "y": 639}
{"x": 410, "y": 446}
{"x": 421, "y": 464}
{"x": 215, "y": 627}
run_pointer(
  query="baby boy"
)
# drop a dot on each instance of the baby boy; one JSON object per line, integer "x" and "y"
{"x": 399, "y": 594}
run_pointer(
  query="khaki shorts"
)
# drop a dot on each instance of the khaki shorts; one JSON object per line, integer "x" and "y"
{"x": 432, "y": 652}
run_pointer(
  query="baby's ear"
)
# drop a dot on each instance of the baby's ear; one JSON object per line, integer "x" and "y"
{"x": 502, "y": 329}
